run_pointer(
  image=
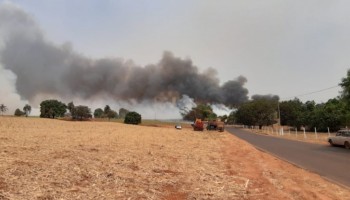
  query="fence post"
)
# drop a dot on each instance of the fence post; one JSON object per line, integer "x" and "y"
{"x": 316, "y": 133}
{"x": 329, "y": 133}
{"x": 304, "y": 133}
{"x": 282, "y": 131}
{"x": 289, "y": 131}
{"x": 296, "y": 132}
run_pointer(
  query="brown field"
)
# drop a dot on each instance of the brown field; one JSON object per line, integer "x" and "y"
{"x": 53, "y": 159}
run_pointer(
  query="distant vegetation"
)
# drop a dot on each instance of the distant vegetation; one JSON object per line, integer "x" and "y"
{"x": 19, "y": 113}
{"x": 26, "y": 111}
{"x": 201, "y": 111}
{"x": 3, "y": 109}
{"x": 334, "y": 114}
{"x": 52, "y": 109}
{"x": 132, "y": 118}
{"x": 262, "y": 110}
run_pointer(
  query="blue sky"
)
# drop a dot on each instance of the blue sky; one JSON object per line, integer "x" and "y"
{"x": 285, "y": 48}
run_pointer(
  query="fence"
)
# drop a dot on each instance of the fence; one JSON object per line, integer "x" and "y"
{"x": 292, "y": 133}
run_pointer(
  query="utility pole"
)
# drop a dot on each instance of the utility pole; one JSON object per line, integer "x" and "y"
{"x": 279, "y": 113}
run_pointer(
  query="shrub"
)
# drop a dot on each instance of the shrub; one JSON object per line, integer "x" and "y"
{"x": 19, "y": 113}
{"x": 132, "y": 118}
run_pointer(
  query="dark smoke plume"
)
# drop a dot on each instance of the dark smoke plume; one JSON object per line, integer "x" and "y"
{"x": 268, "y": 97}
{"x": 46, "y": 68}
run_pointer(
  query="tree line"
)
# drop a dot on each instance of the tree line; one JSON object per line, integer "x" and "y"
{"x": 333, "y": 114}
{"x": 54, "y": 108}
{"x": 266, "y": 110}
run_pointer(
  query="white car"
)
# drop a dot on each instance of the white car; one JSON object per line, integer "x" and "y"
{"x": 341, "y": 138}
{"x": 178, "y": 126}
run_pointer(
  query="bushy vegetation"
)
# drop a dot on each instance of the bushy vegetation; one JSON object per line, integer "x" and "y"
{"x": 107, "y": 112}
{"x": 27, "y": 109}
{"x": 98, "y": 113}
{"x": 332, "y": 115}
{"x": 201, "y": 111}
{"x": 132, "y": 118}
{"x": 3, "y": 109}
{"x": 52, "y": 109}
{"x": 260, "y": 112}
{"x": 18, "y": 113}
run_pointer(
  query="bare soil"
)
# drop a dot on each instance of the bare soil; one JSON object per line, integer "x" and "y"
{"x": 53, "y": 159}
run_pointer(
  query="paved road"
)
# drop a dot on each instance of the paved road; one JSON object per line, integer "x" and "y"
{"x": 330, "y": 162}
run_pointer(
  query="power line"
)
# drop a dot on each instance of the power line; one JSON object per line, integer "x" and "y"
{"x": 305, "y": 94}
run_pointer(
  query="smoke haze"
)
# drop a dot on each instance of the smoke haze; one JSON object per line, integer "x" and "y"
{"x": 39, "y": 68}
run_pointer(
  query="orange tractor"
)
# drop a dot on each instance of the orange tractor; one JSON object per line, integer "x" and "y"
{"x": 198, "y": 125}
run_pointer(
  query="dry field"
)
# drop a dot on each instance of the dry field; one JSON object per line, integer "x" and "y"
{"x": 53, "y": 159}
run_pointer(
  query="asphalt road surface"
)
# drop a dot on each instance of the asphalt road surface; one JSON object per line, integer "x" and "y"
{"x": 330, "y": 162}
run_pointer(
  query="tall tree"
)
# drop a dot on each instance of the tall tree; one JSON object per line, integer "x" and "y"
{"x": 112, "y": 114}
{"x": 82, "y": 112}
{"x": 3, "y": 109}
{"x": 201, "y": 111}
{"x": 292, "y": 113}
{"x": 106, "y": 109}
{"x": 332, "y": 115}
{"x": 27, "y": 109}
{"x": 52, "y": 108}
{"x": 261, "y": 112}
{"x": 98, "y": 113}
{"x": 345, "y": 84}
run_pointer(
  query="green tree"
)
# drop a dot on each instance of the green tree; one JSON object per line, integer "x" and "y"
{"x": 106, "y": 109}
{"x": 261, "y": 112}
{"x": 331, "y": 114}
{"x": 98, "y": 113}
{"x": 82, "y": 112}
{"x": 345, "y": 84}
{"x": 112, "y": 114}
{"x": 27, "y": 109}
{"x": 71, "y": 109}
{"x": 292, "y": 113}
{"x": 201, "y": 111}
{"x": 231, "y": 118}
{"x": 132, "y": 118}
{"x": 52, "y": 108}
{"x": 123, "y": 112}
{"x": 3, "y": 109}
{"x": 19, "y": 113}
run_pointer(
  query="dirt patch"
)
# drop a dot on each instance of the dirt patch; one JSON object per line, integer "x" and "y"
{"x": 172, "y": 193}
{"x": 271, "y": 178}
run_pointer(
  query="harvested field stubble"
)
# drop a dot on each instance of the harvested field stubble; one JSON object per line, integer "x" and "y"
{"x": 52, "y": 159}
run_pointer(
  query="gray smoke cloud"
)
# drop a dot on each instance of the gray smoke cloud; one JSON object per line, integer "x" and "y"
{"x": 271, "y": 97}
{"x": 45, "y": 68}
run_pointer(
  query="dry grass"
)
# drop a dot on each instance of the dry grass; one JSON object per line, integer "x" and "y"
{"x": 53, "y": 159}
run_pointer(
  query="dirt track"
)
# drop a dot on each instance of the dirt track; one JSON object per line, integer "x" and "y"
{"x": 52, "y": 159}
